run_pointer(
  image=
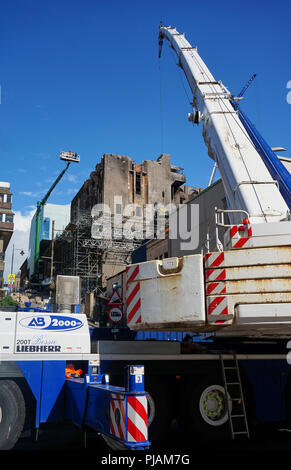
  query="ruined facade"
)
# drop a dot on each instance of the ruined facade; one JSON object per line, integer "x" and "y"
{"x": 116, "y": 182}
{"x": 151, "y": 182}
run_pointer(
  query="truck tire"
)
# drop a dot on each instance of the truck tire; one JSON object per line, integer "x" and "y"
{"x": 203, "y": 410}
{"x": 12, "y": 414}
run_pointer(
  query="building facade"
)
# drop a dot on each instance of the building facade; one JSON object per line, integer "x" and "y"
{"x": 122, "y": 185}
{"x": 151, "y": 182}
{"x": 6, "y": 226}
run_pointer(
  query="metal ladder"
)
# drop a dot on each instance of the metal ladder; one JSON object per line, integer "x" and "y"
{"x": 233, "y": 389}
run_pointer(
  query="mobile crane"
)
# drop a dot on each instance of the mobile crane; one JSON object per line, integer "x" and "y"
{"x": 241, "y": 292}
{"x": 221, "y": 382}
{"x": 235, "y": 301}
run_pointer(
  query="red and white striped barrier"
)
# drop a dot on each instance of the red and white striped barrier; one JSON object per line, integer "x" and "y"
{"x": 117, "y": 416}
{"x": 247, "y": 257}
{"x": 128, "y": 417}
{"x": 133, "y": 301}
{"x": 213, "y": 263}
{"x": 137, "y": 428}
{"x": 215, "y": 275}
{"x": 217, "y": 309}
{"x": 215, "y": 288}
{"x": 214, "y": 259}
{"x": 240, "y": 236}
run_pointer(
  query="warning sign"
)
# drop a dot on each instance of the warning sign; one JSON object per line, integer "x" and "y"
{"x": 11, "y": 278}
{"x": 115, "y": 299}
{"x": 115, "y": 314}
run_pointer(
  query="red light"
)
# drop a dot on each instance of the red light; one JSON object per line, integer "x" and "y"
{"x": 246, "y": 221}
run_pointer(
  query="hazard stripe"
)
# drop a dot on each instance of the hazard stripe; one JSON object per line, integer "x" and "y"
{"x": 213, "y": 259}
{"x": 241, "y": 242}
{"x": 135, "y": 432}
{"x": 221, "y": 276}
{"x": 137, "y": 418}
{"x": 213, "y": 318}
{"x": 113, "y": 427}
{"x": 214, "y": 304}
{"x": 122, "y": 409}
{"x": 121, "y": 435}
{"x": 212, "y": 287}
{"x": 224, "y": 311}
{"x": 215, "y": 274}
{"x": 132, "y": 275}
{"x": 138, "y": 408}
{"x": 133, "y": 293}
{"x": 133, "y": 311}
{"x": 119, "y": 403}
{"x": 218, "y": 260}
{"x": 133, "y": 301}
{"x": 208, "y": 272}
{"x": 233, "y": 230}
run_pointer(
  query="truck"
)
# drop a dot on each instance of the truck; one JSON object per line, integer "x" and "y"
{"x": 48, "y": 373}
{"x": 209, "y": 330}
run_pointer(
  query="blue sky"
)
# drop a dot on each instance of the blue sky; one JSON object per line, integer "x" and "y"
{"x": 84, "y": 76}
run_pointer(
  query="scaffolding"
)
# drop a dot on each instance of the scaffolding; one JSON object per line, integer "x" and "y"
{"x": 73, "y": 258}
{"x": 77, "y": 253}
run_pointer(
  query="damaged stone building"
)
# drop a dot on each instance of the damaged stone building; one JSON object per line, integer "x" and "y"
{"x": 147, "y": 183}
{"x": 116, "y": 182}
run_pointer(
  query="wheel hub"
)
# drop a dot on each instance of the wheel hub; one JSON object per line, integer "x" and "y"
{"x": 213, "y": 407}
{"x": 213, "y": 404}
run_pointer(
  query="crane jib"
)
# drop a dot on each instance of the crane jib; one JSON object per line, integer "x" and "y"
{"x": 254, "y": 178}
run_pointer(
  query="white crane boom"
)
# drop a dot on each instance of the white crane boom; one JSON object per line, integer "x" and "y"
{"x": 247, "y": 182}
{"x": 243, "y": 287}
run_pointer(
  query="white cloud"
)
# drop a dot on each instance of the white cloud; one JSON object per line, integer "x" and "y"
{"x": 20, "y": 240}
{"x": 72, "y": 178}
{"x": 49, "y": 180}
{"x": 37, "y": 194}
{"x": 28, "y": 193}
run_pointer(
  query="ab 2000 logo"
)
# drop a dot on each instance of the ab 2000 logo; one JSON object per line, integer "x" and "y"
{"x": 51, "y": 322}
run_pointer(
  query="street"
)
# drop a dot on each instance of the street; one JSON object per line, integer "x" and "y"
{"x": 65, "y": 438}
